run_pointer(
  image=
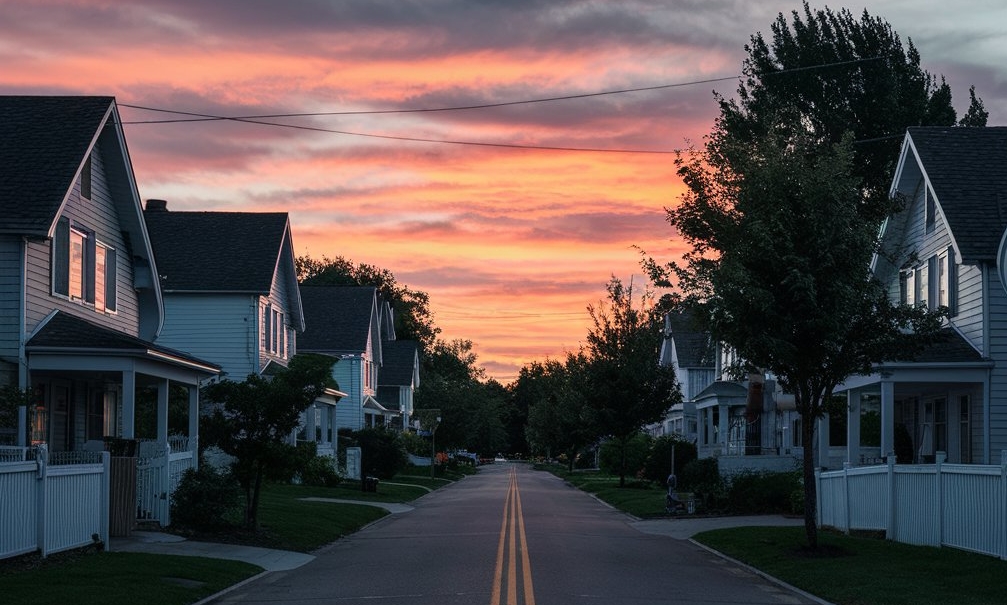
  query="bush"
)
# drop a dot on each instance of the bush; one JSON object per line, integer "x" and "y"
{"x": 320, "y": 471}
{"x": 702, "y": 478}
{"x": 381, "y": 453}
{"x": 206, "y": 499}
{"x": 635, "y": 449}
{"x": 763, "y": 492}
{"x": 415, "y": 445}
{"x": 658, "y": 465}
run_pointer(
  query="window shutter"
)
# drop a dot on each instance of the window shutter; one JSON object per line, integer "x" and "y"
{"x": 89, "y": 267}
{"x": 85, "y": 179}
{"x": 267, "y": 329}
{"x": 110, "y": 279}
{"x": 932, "y": 284}
{"x": 952, "y": 282}
{"x": 60, "y": 262}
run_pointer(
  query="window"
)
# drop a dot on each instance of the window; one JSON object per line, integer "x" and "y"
{"x": 274, "y": 332}
{"x": 922, "y": 285}
{"x": 82, "y": 268}
{"x": 907, "y": 287}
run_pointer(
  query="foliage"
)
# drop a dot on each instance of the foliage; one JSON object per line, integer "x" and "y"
{"x": 625, "y": 386}
{"x": 252, "y": 420}
{"x": 415, "y": 445}
{"x": 11, "y": 398}
{"x": 702, "y": 478}
{"x": 625, "y": 456}
{"x": 382, "y": 454}
{"x": 763, "y": 493}
{"x": 413, "y": 317}
{"x": 658, "y": 465}
{"x": 472, "y": 409}
{"x": 312, "y": 469}
{"x": 206, "y": 500}
{"x": 560, "y": 422}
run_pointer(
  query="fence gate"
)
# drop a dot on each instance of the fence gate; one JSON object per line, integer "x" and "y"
{"x": 152, "y": 482}
{"x": 353, "y": 463}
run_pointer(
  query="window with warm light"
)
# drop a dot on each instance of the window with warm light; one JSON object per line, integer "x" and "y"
{"x": 83, "y": 269}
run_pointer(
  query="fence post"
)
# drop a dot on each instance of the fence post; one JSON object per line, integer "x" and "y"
{"x": 165, "y": 509}
{"x": 106, "y": 484}
{"x": 1003, "y": 504}
{"x": 846, "y": 496}
{"x": 892, "y": 501}
{"x": 939, "y": 463}
{"x": 42, "y": 499}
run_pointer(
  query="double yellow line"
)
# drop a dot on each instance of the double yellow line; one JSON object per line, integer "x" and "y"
{"x": 512, "y": 532}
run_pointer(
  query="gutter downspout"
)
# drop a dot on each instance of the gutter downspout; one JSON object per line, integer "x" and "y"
{"x": 22, "y": 333}
{"x": 987, "y": 432}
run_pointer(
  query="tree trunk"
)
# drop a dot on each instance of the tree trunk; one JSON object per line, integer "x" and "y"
{"x": 810, "y": 488}
{"x": 253, "y": 509}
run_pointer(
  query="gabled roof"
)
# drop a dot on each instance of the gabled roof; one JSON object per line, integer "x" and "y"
{"x": 723, "y": 388}
{"x": 216, "y": 251}
{"x": 67, "y": 334}
{"x": 399, "y": 360}
{"x": 949, "y": 347}
{"x": 694, "y": 346}
{"x": 43, "y": 144}
{"x": 966, "y": 168}
{"x": 338, "y": 319}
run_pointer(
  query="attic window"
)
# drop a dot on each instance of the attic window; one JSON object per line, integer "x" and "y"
{"x": 85, "y": 179}
{"x": 83, "y": 269}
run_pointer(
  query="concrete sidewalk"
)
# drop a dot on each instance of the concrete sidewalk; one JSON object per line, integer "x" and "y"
{"x": 685, "y": 527}
{"x": 161, "y": 543}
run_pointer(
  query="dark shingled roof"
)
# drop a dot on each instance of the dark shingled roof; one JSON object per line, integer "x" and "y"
{"x": 951, "y": 347}
{"x": 695, "y": 348}
{"x": 43, "y": 141}
{"x": 216, "y": 251}
{"x": 337, "y": 319}
{"x": 967, "y": 168}
{"x": 398, "y": 359}
{"x": 723, "y": 388}
{"x": 65, "y": 332}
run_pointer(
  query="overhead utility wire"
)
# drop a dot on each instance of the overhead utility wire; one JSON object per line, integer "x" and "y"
{"x": 256, "y": 119}
{"x": 205, "y": 117}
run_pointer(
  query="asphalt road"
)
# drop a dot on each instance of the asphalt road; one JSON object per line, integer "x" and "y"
{"x": 511, "y": 536}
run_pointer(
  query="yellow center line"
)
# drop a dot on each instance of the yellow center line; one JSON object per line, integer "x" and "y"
{"x": 512, "y": 539}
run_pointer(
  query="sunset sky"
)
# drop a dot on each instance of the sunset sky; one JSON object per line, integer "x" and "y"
{"x": 512, "y": 243}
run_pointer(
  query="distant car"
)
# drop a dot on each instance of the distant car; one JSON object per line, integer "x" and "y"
{"x": 499, "y": 458}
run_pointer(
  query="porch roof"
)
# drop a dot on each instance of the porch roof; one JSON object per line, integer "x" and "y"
{"x": 64, "y": 334}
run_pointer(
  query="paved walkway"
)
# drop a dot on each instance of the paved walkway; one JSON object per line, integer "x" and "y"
{"x": 683, "y": 528}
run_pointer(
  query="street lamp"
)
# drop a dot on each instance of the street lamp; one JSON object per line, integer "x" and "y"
{"x": 433, "y": 447}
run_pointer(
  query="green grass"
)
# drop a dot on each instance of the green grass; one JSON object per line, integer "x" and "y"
{"x": 865, "y": 571}
{"x": 641, "y": 499}
{"x": 94, "y": 578}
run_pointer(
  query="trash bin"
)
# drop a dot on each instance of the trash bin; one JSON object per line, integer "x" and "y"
{"x": 369, "y": 484}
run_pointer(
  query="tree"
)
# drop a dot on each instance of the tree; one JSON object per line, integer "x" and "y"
{"x": 783, "y": 205}
{"x": 413, "y": 317}
{"x": 626, "y": 387}
{"x": 780, "y": 270}
{"x": 874, "y": 89}
{"x": 251, "y": 420}
{"x": 559, "y": 419}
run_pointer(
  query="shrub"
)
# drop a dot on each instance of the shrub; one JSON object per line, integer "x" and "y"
{"x": 320, "y": 471}
{"x": 658, "y": 465}
{"x": 763, "y": 492}
{"x": 415, "y": 445}
{"x": 381, "y": 452}
{"x": 702, "y": 478}
{"x": 635, "y": 449}
{"x": 206, "y": 499}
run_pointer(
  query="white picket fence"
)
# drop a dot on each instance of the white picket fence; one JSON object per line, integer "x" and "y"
{"x": 159, "y": 469}
{"x": 958, "y": 505}
{"x": 53, "y": 503}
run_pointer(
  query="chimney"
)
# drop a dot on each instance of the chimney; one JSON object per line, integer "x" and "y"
{"x": 157, "y": 205}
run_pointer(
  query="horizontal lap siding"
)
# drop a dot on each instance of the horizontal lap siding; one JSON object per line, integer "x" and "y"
{"x": 998, "y": 351}
{"x": 10, "y": 296}
{"x": 100, "y": 215}
{"x": 349, "y": 410}
{"x": 217, "y": 328}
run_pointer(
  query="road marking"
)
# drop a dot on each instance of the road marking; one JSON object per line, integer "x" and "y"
{"x": 512, "y": 540}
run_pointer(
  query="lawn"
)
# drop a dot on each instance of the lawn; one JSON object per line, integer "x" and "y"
{"x": 638, "y": 498}
{"x": 92, "y": 578}
{"x": 864, "y": 570}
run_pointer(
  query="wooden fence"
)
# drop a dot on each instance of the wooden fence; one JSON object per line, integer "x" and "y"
{"x": 958, "y": 505}
{"x": 53, "y": 503}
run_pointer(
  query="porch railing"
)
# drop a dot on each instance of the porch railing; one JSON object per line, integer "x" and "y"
{"x": 53, "y": 503}
{"x": 963, "y": 506}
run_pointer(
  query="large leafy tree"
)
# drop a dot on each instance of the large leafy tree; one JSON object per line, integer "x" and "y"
{"x": 252, "y": 420}
{"x": 783, "y": 205}
{"x": 626, "y": 387}
{"x": 559, "y": 418}
{"x": 413, "y": 317}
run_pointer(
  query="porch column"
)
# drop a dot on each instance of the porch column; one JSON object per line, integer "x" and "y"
{"x": 853, "y": 428}
{"x": 887, "y": 417}
{"x": 128, "y": 404}
{"x": 822, "y": 431}
{"x": 309, "y": 422}
{"x": 194, "y": 421}
{"x": 162, "y": 410}
{"x": 333, "y": 429}
{"x": 723, "y": 430}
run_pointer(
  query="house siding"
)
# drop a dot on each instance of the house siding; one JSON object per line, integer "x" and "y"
{"x": 10, "y": 297}
{"x": 100, "y": 215}
{"x": 998, "y": 378}
{"x": 218, "y": 328}
{"x": 348, "y": 373}
{"x": 279, "y": 298}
